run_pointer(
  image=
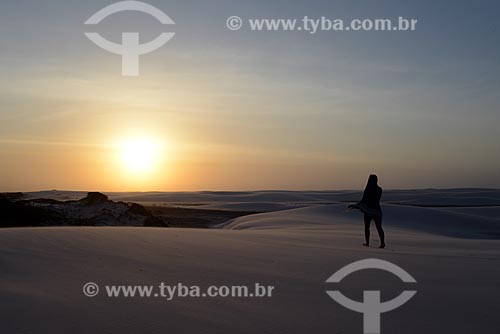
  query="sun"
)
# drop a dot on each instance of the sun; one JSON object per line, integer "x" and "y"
{"x": 139, "y": 155}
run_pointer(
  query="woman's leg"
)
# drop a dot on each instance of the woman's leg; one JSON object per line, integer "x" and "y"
{"x": 380, "y": 230}
{"x": 368, "y": 220}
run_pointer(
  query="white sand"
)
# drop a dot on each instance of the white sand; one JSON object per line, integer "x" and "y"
{"x": 43, "y": 270}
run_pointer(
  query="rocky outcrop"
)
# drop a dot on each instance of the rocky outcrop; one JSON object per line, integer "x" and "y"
{"x": 18, "y": 214}
{"x": 94, "y": 198}
{"x": 13, "y": 196}
{"x": 94, "y": 210}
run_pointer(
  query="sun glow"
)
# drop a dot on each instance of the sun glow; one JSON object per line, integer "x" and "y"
{"x": 140, "y": 155}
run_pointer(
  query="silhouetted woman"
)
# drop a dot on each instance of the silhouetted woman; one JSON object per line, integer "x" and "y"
{"x": 370, "y": 206}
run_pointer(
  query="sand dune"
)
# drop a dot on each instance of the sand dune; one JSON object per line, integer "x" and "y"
{"x": 251, "y": 206}
{"x": 429, "y": 220}
{"x": 43, "y": 271}
{"x": 446, "y": 249}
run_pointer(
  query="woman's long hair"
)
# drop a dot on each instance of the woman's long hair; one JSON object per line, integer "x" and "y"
{"x": 372, "y": 183}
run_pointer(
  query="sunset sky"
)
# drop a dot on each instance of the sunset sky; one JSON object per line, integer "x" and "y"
{"x": 216, "y": 109}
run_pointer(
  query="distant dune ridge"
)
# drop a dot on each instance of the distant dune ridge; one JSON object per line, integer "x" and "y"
{"x": 465, "y": 213}
{"x": 415, "y": 197}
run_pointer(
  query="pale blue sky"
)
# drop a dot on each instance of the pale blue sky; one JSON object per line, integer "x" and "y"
{"x": 255, "y": 110}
